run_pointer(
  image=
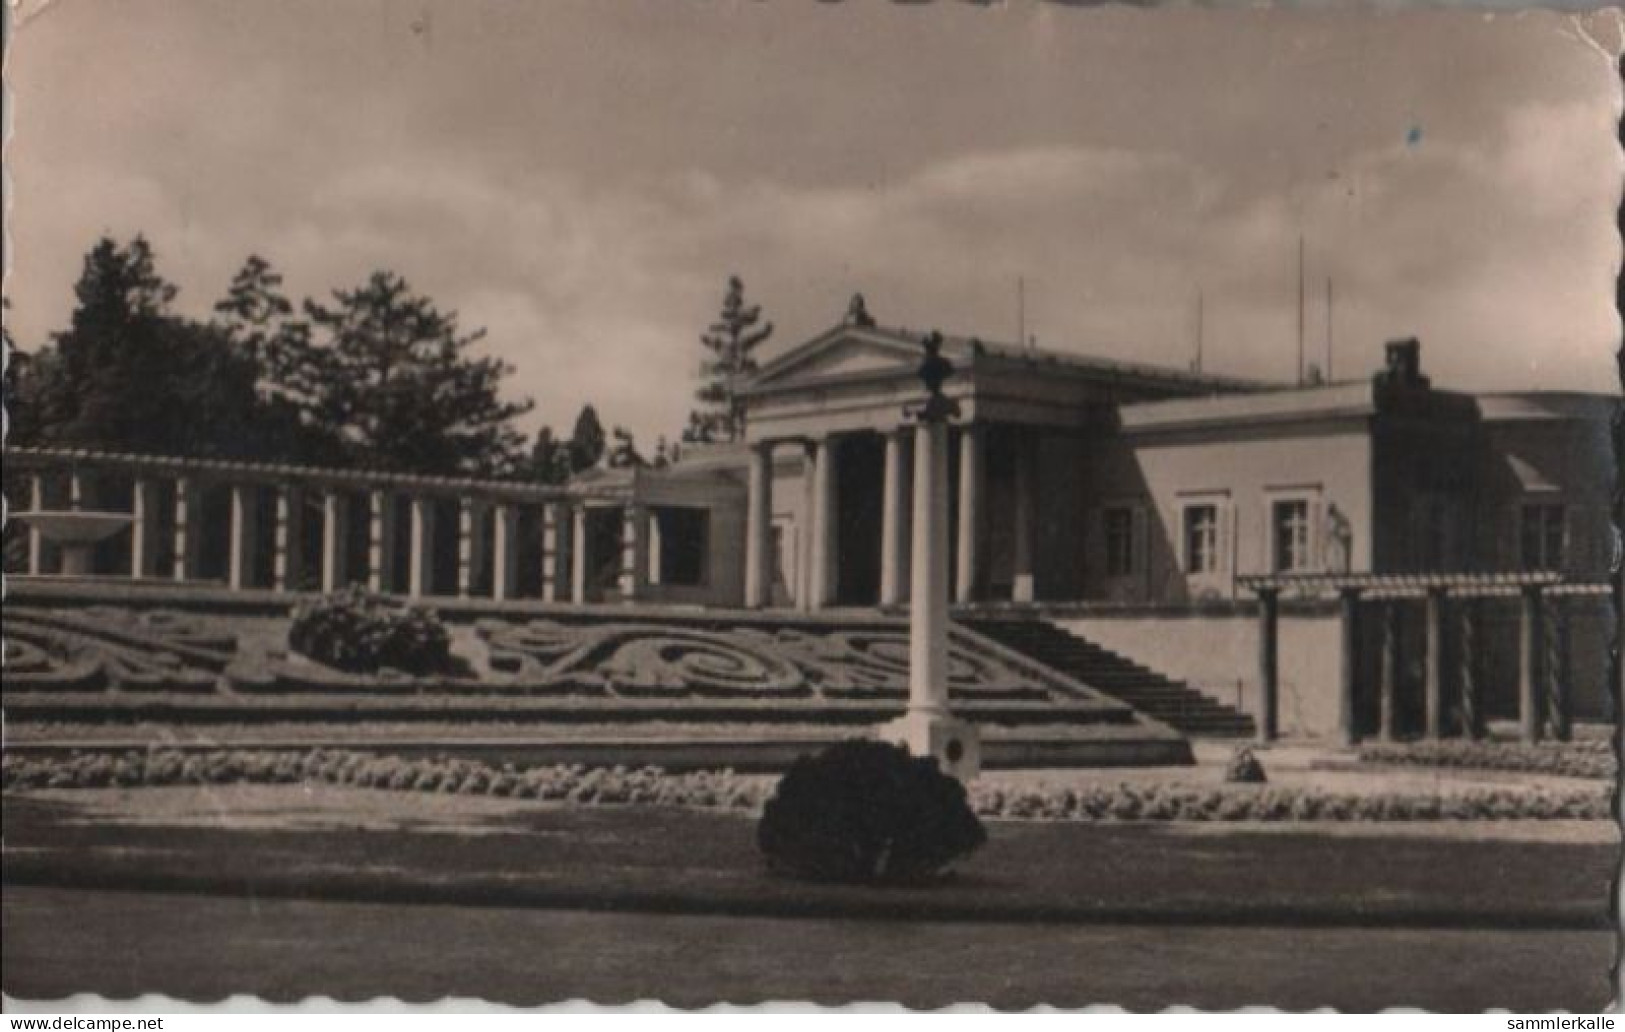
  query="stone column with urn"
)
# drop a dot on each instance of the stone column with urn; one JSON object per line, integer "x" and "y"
{"x": 928, "y": 728}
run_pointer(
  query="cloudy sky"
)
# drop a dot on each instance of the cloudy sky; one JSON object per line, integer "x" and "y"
{"x": 580, "y": 176}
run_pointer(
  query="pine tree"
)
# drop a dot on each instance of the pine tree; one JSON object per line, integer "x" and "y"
{"x": 731, "y": 341}
{"x": 623, "y": 454}
{"x": 389, "y": 375}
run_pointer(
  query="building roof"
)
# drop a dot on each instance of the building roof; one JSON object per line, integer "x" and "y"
{"x": 967, "y": 352}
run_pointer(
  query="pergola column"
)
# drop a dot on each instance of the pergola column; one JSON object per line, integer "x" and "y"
{"x": 505, "y": 552}
{"x": 557, "y": 566}
{"x": 1529, "y": 655}
{"x": 36, "y": 503}
{"x": 245, "y": 513}
{"x": 381, "y": 528}
{"x": 759, "y": 528}
{"x": 968, "y": 559}
{"x": 420, "y": 581}
{"x": 1023, "y": 587}
{"x": 335, "y": 540}
{"x": 143, "y": 531}
{"x": 1558, "y": 669}
{"x": 634, "y": 552}
{"x": 825, "y": 549}
{"x": 1433, "y": 672}
{"x": 471, "y": 544}
{"x": 894, "y": 520}
{"x": 1269, "y": 664}
{"x": 288, "y": 566}
{"x": 188, "y": 527}
{"x": 1349, "y": 674}
{"x": 1471, "y": 713}
{"x": 1388, "y": 701}
{"x": 579, "y": 547}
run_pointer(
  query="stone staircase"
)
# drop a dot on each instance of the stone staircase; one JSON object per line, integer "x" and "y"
{"x": 1173, "y": 702}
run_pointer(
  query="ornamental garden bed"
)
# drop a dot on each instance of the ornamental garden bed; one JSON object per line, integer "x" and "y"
{"x": 1582, "y": 758}
{"x": 1012, "y": 798}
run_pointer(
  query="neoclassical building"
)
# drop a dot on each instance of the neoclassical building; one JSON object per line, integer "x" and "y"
{"x": 1087, "y": 480}
{"x": 1137, "y": 504}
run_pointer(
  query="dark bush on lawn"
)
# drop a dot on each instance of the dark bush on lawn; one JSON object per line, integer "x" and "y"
{"x": 360, "y": 633}
{"x": 865, "y": 811}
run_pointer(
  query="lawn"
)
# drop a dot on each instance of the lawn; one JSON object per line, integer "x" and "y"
{"x": 203, "y": 948}
{"x": 324, "y": 841}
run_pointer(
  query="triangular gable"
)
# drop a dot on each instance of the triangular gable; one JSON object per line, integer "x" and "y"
{"x": 840, "y": 352}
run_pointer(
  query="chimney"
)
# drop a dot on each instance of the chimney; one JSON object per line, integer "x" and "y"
{"x": 1403, "y": 366}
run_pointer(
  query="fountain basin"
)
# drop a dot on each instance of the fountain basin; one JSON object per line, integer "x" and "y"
{"x": 77, "y": 532}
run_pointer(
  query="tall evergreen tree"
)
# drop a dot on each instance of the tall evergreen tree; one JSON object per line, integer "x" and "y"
{"x": 129, "y": 374}
{"x": 730, "y": 341}
{"x": 587, "y": 440}
{"x": 390, "y": 375}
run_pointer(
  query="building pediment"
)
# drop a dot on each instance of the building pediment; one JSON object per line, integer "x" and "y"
{"x": 844, "y": 354}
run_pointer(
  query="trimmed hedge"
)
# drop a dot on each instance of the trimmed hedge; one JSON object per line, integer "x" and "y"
{"x": 653, "y": 786}
{"x": 863, "y": 811}
{"x": 1586, "y": 758}
{"x": 358, "y": 632}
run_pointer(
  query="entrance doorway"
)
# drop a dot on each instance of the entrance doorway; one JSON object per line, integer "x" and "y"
{"x": 860, "y": 470}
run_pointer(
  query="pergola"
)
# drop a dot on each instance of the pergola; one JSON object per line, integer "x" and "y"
{"x": 1543, "y": 651}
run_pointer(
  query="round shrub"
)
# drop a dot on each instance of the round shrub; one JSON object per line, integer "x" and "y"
{"x": 1244, "y": 768}
{"x": 361, "y": 633}
{"x": 863, "y": 811}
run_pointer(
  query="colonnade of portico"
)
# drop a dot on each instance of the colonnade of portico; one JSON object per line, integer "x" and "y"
{"x": 818, "y": 557}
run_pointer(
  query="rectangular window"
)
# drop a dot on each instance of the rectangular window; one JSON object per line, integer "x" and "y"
{"x": 1289, "y": 526}
{"x": 1201, "y": 538}
{"x": 684, "y": 536}
{"x": 1119, "y": 528}
{"x": 1541, "y": 536}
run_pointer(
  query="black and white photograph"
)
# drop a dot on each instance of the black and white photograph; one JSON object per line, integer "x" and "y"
{"x": 691, "y": 502}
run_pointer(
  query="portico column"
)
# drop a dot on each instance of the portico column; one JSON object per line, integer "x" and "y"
{"x": 382, "y": 519}
{"x": 421, "y": 576}
{"x": 928, "y": 607}
{"x": 335, "y": 540}
{"x": 805, "y": 598}
{"x": 244, "y": 534}
{"x": 505, "y": 552}
{"x": 1269, "y": 664}
{"x": 1529, "y": 649}
{"x": 471, "y": 542}
{"x": 1023, "y": 586}
{"x": 143, "y": 530}
{"x": 967, "y": 583}
{"x": 36, "y": 502}
{"x": 894, "y": 522}
{"x": 1349, "y": 675}
{"x": 759, "y": 528}
{"x": 1433, "y": 673}
{"x": 290, "y": 524}
{"x": 825, "y": 557}
{"x": 634, "y": 552}
{"x": 579, "y": 543}
{"x": 188, "y": 527}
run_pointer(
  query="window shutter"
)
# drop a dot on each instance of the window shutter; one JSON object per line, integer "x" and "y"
{"x": 1316, "y": 538}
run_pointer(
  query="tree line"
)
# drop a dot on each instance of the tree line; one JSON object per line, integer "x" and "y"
{"x": 374, "y": 376}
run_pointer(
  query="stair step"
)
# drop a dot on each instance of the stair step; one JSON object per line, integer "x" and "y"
{"x": 1176, "y": 703}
